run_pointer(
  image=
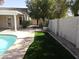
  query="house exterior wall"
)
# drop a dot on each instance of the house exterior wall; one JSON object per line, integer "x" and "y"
{"x": 4, "y": 21}
{"x": 9, "y": 13}
{"x": 34, "y": 21}
{"x": 1, "y": 21}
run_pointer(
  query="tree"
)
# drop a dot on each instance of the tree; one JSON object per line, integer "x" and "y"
{"x": 61, "y": 8}
{"x": 49, "y": 9}
{"x": 33, "y": 8}
{"x": 75, "y": 8}
{"x": 40, "y": 8}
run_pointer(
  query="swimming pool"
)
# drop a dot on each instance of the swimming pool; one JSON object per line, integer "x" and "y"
{"x": 6, "y": 41}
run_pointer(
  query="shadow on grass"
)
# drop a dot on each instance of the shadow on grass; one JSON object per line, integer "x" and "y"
{"x": 46, "y": 47}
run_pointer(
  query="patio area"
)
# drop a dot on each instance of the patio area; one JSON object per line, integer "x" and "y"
{"x": 18, "y": 49}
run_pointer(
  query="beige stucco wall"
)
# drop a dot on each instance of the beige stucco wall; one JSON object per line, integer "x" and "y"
{"x": 4, "y": 21}
{"x": 34, "y": 21}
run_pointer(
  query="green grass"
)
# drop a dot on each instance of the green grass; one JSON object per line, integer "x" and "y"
{"x": 46, "y": 47}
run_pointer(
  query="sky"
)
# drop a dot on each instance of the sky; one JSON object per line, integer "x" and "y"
{"x": 14, "y": 3}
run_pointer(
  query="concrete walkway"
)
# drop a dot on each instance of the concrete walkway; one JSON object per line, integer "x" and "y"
{"x": 23, "y": 41}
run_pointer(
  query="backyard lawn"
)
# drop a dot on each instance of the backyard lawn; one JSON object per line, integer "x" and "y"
{"x": 46, "y": 47}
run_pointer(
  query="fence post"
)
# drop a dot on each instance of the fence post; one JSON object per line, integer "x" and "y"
{"x": 57, "y": 27}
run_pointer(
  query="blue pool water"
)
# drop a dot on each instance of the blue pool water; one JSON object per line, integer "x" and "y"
{"x": 6, "y": 41}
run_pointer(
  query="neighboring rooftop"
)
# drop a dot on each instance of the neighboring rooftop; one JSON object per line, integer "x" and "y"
{"x": 13, "y": 8}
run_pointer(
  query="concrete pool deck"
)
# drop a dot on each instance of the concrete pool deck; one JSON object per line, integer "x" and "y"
{"x": 19, "y": 48}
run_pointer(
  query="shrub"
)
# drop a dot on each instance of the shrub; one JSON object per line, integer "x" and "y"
{"x": 25, "y": 23}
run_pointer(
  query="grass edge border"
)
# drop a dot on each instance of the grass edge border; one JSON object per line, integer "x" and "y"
{"x": 63, "y": 45}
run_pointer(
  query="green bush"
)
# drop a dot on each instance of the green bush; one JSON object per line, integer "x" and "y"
{"x": 25, "y": 23}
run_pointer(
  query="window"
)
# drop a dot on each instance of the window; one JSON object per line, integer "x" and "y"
{"x": 9, "y": 21}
